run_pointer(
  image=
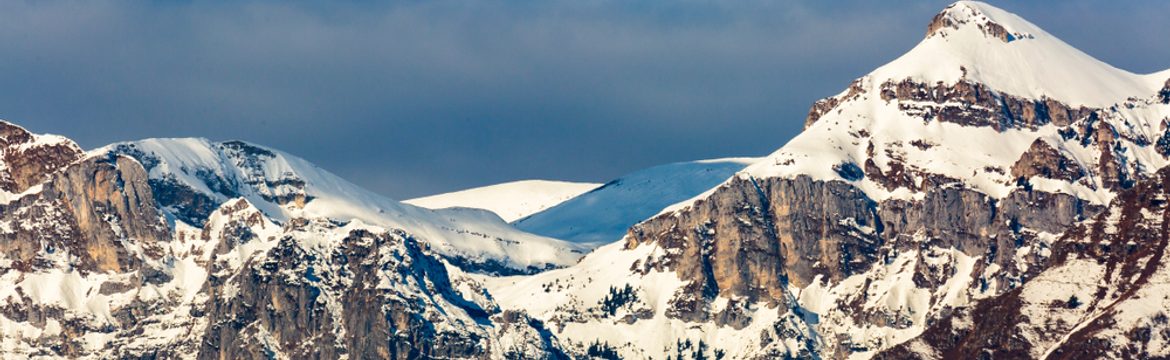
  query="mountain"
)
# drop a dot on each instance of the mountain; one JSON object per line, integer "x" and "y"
{"x": 193, "y": 177}
{"x": 602, "y": 215}
{"x": 157, "y": 249}
{"x": 992, "y": 193}
{"x": 927, "y": 211}
{"x": 511, "y": 200}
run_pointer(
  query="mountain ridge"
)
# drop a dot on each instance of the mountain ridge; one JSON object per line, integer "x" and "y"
{"x": 195, "y": 175}
{"x": 967, "y": 200}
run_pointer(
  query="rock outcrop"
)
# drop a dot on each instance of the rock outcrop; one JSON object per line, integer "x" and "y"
{"x": 973, "y": 104}
{"x": 1164, "y": 95}
{"x": 1045, "y": 161}
{"x": 29, "y": 159}
{"x": 959, "y": 14}
{"x": 753, "y": 238}
{"x": 306, "y": 304}
{"x": 98, "y": 210}
{"x": 1103, "y": 295}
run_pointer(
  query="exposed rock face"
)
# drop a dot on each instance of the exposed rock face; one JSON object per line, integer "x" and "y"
{"x": 283, "y": 305}
{"x": 363, "y": 295}
{"x": 246, "y": 287}
{"x": 898, "y": 174}
{"x": 891, "y": 241}
{"x": 754, "y": 237}
{"x": 99, "y": 209}
{"x": 905, "y": 201}
{"x": 287, "y": 189}
{"x": 820, "y": 107}
{"x": 974, "y": 104}
{"x": 959, "y": 14}
{"x": 1045, "y": 161}
{"x": 1115, "y": 167}
{"x": 1164, "y": 95}
{"x": 1103, "y": 146}
{"x": 29, "y": 159}
{"x": 749, "y": 241}
{"x": 1102, "y": 296}
{"x": 965, "y": 102}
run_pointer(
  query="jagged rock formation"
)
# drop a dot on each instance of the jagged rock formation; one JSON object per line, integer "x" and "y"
{"x": 29, "y": 159}
{"x": 1103, "y": 295}
{"x": 363, "y": 295}
{"x": 973, "y": 104}
{"x": 751, "y": 239}
{"x": 958, "y": 15}
{"x": 1042, "y": 160}
{"x": 97, "y": 212}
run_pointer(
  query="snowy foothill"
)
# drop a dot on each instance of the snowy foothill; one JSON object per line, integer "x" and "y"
{"x": 604, "y": 214}
{"x": 511, "y": 200}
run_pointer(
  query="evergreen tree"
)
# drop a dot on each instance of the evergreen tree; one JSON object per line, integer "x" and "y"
{"x": 599, "y": 350}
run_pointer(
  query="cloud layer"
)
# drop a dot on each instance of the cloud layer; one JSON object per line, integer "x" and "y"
{"x": 411, "y": 98}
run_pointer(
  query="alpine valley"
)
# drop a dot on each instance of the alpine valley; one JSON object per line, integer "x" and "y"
{"x": 993, "y": 193}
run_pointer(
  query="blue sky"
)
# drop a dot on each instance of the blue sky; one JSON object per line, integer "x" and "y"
{"x": 417, "y": 97}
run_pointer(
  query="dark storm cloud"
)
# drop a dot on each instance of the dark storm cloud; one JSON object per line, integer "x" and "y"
{"x": 410, "y": 98}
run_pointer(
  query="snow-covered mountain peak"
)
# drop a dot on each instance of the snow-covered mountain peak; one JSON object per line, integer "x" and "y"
{"x": 989, "y": 20}
{"x": 977, "y": 42}
{"x": 985, "y": 100}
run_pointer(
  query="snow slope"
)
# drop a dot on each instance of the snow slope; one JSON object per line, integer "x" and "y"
{"x": 1033, "y": 65}
{"x": 571, "y": 298}
{"x": 287, "y": 187}
{"x": 511, "y": 200}
{"x": 604, "y": 214}
{"x": 568, "y": 300}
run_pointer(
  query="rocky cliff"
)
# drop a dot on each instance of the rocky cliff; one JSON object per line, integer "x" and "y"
{"x": 29, "y": 158}
{"x": 1103, "y": 294}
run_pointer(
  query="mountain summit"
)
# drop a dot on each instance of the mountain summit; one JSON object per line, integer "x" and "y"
{"x": 971, "y": 105}
{"x": 929, "y": 190}
{"x": 976, "y": 42}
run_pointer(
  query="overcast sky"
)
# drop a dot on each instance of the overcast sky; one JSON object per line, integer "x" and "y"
{"x": 420, "y": 97}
